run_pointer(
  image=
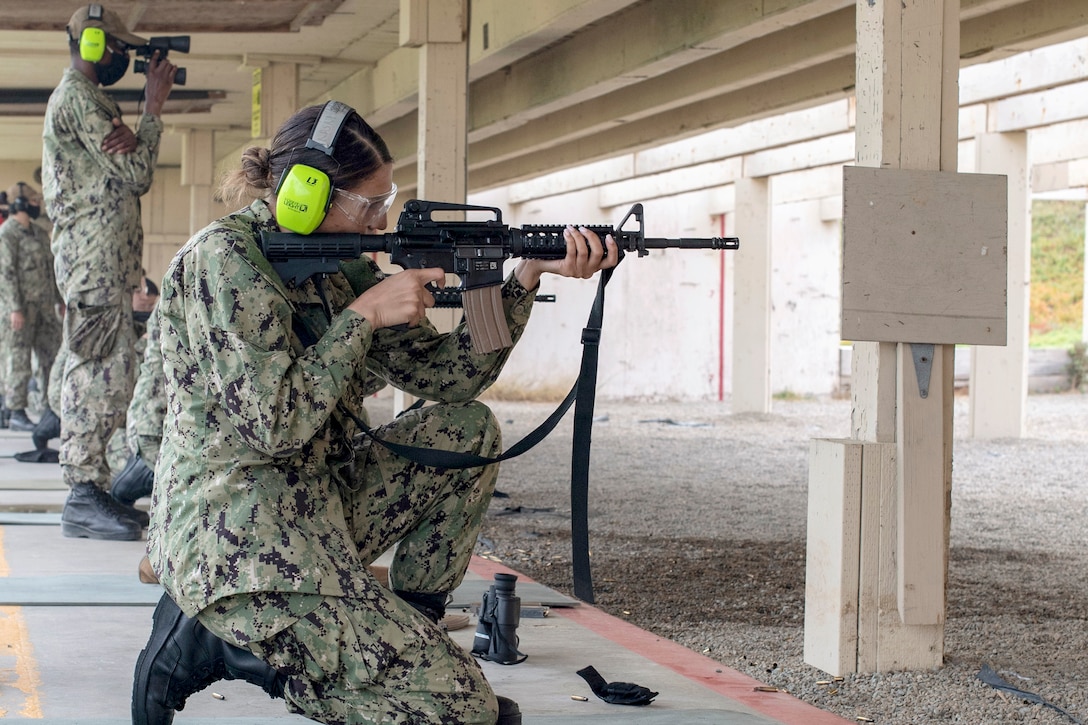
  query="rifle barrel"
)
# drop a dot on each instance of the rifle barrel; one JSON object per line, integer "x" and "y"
{"x": 692, "y": 243}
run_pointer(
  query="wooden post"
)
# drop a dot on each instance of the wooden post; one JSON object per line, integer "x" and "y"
{"x": 439, "y": 29}
{"x": 907, "y": 106}
{"x": 907, "y": 72}
{"x": 276, "y": 98}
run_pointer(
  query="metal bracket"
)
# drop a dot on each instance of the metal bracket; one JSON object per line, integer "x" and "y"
{"x": 923, "y": 365}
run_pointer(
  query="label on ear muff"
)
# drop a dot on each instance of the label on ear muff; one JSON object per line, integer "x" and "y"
{"x": 302, "y": 198}
{"x": 92, "y": 44}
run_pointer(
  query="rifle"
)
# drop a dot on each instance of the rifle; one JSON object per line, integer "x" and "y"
{"x": 473, "y": 250}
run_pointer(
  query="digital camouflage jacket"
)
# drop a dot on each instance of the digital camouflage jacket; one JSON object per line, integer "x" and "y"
{"x": 255, "y": 448}
{"x": 92, "y": 197}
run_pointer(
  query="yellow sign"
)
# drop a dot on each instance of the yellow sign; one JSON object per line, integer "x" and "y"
{"x": 255, "y": 119}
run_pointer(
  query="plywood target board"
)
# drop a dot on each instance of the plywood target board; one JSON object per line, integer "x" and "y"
{"x": 924, "y": 257}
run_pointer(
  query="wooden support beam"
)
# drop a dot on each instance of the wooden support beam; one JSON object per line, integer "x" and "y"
{"x": 1019, "y": 27}
{"x": 907, "y": 67}
{"x": 1035, "y": 70}
{"x": 495, "y": 163}
{"x": 438, "y": 28}
{"x": 1043, "y": 108}
{"x": 585, "y": 65}
{"x": 1059, "y": 176}
{"x": 836, "y": 149}
{"x": 275, "y": 97}
{"x": 785, "y": 129}
{"x": 920, "y": 509}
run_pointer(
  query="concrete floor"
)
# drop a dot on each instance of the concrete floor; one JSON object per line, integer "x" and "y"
{"x": 74, "y": 617}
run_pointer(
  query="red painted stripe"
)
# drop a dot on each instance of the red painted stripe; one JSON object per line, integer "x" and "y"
{"x": 681, "y": 660}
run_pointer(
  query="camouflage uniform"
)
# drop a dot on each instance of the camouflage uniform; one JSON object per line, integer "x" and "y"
{"x": 27, "y": 286}
{"x": 93, "y": 199}
{"x": 143, "y": 428}
{"x": 265, "y": 513}
{"x": 56, "y": 375}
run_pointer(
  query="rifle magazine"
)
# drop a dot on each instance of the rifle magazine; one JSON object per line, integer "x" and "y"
{"x": 486, "y": 320}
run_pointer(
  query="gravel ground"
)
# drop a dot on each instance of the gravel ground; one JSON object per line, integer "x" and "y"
{"x": 698, "y": 517}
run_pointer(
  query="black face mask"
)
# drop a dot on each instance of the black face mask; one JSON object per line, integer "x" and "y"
{"x": 33, "y": 210}
{"x": 115, "y": 71}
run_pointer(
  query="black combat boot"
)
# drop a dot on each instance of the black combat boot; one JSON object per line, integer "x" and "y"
{"x": 431, "y": 605}
{"x": 181, "y": 658}
{"x": 509, "y": 712}
{"x": 4, "y": 413}
{"x": 19, "y": 421}
{"x": 133, "y": 482}
{"x": 90, "y": 513}
{"x": 48, "y": 428}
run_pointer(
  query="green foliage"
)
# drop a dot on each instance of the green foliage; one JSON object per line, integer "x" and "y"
{"x": 1078, "y": 366}
{"x": 788, "y": 394}
{"x": 1057, "y": 273}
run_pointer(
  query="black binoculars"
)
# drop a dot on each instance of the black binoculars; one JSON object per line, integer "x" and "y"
{"x": 496, "y": 637}
{"x": 164, "y": 44}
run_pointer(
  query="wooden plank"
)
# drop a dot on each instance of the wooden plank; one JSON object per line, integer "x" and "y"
{"x": 899, "y": 646}
{"x": 1059, "y": 176}
{"x": 1036, "y": 70}
{"x": 911, "y": 239}
{"x": 832, "y": 551}
{"x": 536, "y": 147}
{"x": 441, "y": 169}
{"x": 1060, "y": 142}
{"x": 835, "y": 149}
{"x": 878, "y": 474}
{"x": 1044, "y": 108}
{"x": 788, "y": 128}
{"x": 872, "y": 389}
{"x": 669, "y": 183}
{"x": 920, "y": 542}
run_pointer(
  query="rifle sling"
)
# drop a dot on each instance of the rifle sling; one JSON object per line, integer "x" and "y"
{"x": 583, "y": 394}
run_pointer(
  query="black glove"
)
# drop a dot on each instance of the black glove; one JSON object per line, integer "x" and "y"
{"x": 616, "y": 693}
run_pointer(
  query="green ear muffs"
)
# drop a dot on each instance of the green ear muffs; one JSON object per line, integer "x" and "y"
{"x": 92, "y": 44}
{"x": 303, "y": 196}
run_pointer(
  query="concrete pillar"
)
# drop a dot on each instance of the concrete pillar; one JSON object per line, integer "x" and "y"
{"x": 999, "y": 375}
{"x": 752, "y": 298}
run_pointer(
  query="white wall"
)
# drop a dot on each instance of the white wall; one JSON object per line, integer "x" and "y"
{"x": 805, "y": 290}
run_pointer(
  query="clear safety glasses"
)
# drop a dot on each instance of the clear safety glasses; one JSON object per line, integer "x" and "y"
{"x": 361, "y": 209}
